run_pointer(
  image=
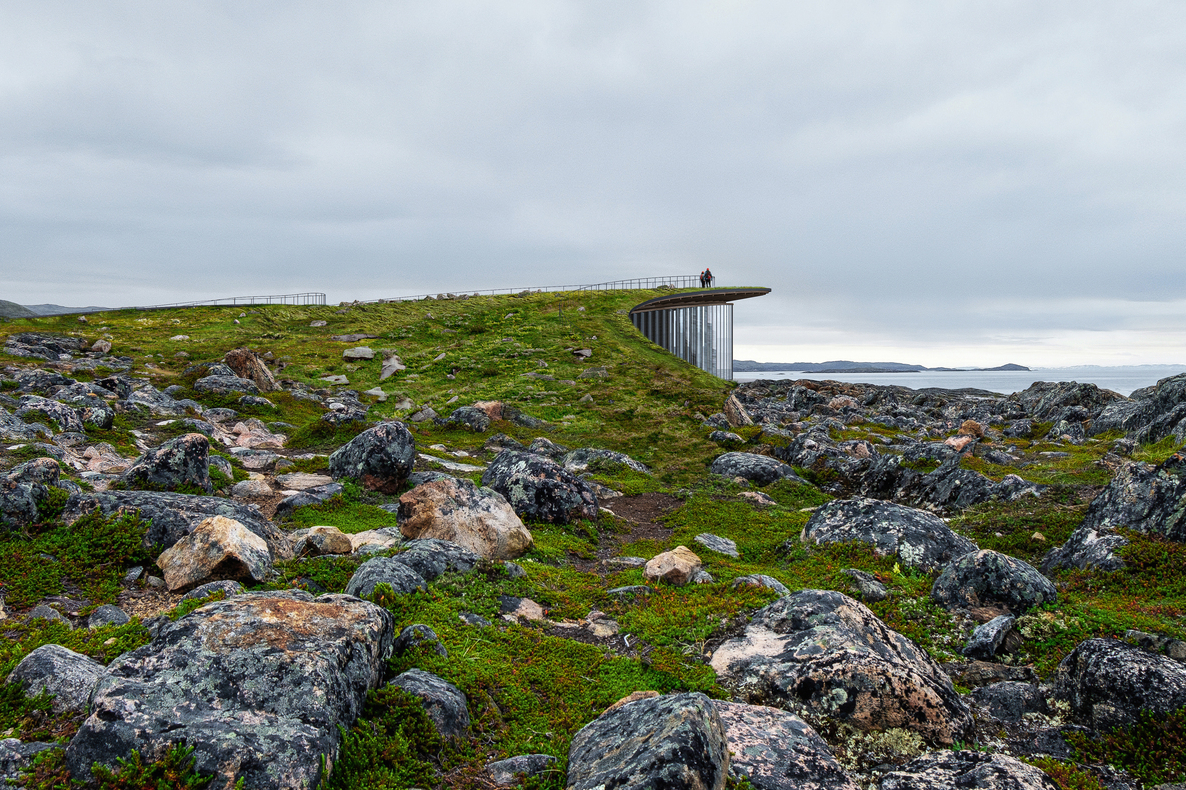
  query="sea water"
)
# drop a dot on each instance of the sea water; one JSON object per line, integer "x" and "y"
{"x": 1118, "y": 379}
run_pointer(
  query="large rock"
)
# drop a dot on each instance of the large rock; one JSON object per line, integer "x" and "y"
{"x": 989, "y": 578}
{"x": 443, "y": 702}
{"x": 826, "y": 651}
{"x": 676, "y": 742}
{"x": 384, "y": 570}
{"x": 309, "y": 496}
{"x": 919, "y": 539}
{"x": 173, "y": 516}
{"x": 1141, "y": 497}
{"x": 760, "y": 469}
{"x": 1108, "y": 683}
{"x": 678, "y": 566}
{"x": 1045, "y": 400}
{"x": 456, "y": 510}
{"x": 776, "y": 750}
{"x": 380, "y": 458}
{"x": 261, "y": 685}
{"x": 183, "y": 462}
{"x": 320, "y": 541}
{"x": 538, "y": 488}
{"x": 25, "y": 488}
{"x": 967, "y": 770}
{"x": 217, "y": 549}
{"x": 65, "y": 417}
{"x": 248, "y": 365}
{"x": 69, "y": 676}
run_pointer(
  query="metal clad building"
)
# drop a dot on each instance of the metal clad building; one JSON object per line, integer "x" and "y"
{"x": 696, "y": 326}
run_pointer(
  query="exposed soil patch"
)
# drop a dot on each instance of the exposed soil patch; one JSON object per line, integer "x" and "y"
{"x": 644, "y": 513}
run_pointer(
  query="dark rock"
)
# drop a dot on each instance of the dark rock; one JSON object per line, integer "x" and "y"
{"x": 25, "y": 488}
{"x": 724, "y": 437}
{"x": 500, "y": 441}
{"x": 674, "y": 741}
{"x": 173, "y": 516}
{"x": 107, "y": 614}
{"x": 310, "y": 496}
{"x": 1051, "y": 741}
{"x": 1044, "y": 400}
{"x": 538, "y": 488}
{"x": 759, "y": 469}
{"x": 867, "y": 585}
{"x": 989, "y": 578}
{"x": 229, "y": 587}
{"x": 418, "y": 637}
{"x": 380, "y": 458}
{"x": 443, "y": 702}
{"x": 384, "y": 570}
{"x": 225, "y": 385}
{"x": 247, "y": 364}
{"x": 420, "y": 478}
{"x": 582, "y": 459}
{"x": 1108, "y": 683}
{"x": 1009, "y": 701}
{"x": 1087, "y": 547}
{"x": 829, "y": 653}
{"x": 469, "y": 417}
{"x": 966, "y": 770}
{"x": 261, "y": 685}
{"x": 507, "y": 773}
{"x": 430, "y": 557}
{"x": 69, "y": 676}
{"x": 183, "y": 462}
{"x": 974, "y": 674}
{"x": 469, "y": 618}
{"x": 776, "y": 750}
{"x": 919, "y": 539}
{"x": 988, "y": 639}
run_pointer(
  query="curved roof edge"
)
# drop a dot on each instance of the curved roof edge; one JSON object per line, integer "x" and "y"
{"x": 700, "y": 298}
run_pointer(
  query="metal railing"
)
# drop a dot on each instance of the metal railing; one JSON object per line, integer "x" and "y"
{"x": 676, "y": 281}
{"x": 308, "y": 298}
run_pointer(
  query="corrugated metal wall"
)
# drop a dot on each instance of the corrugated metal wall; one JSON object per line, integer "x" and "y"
{"x": 702, "y": 335}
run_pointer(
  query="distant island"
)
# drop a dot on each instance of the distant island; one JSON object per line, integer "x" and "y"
{"x": 847, "y": 366}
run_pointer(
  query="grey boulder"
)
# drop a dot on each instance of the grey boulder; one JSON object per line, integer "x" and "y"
{"x": 443, "y": 702}
{"x": 224, "y": 385}
{"x": 989, "y": 578}
{"x": 967, "y": 770}
{"x": 776, "y": 750}
{"x": 1108, "y": 683}
{"x": 1010, "y": 700}
{"x": 71, "y": 677}
{"x": 259, "y": 684}
{"x": 919, "y": 539}
{"x": 829, "y": 653}
{"x": 107, "y": 614}
{"x": 676, "y": 741}
{"x": 988, "y": 639}
{"x": 539, "y": 488}
{"x": 384, "y": 570}
{"x": 430, "y": 557}
{"x": 580, "y": 460}
{"x": 760, "y": 469}
{"x": 380, "y": 458}
{"x": 506, "y": 773}
{"x": 178, "y": 463}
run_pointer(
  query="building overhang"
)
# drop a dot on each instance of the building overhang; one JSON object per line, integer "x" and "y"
{"x": 702, "y": 298}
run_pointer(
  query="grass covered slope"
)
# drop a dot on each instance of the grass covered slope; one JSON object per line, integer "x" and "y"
{"x": 530, "y": 686}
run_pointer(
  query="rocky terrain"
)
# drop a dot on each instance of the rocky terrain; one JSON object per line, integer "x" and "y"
{"x": 507, "y": 542}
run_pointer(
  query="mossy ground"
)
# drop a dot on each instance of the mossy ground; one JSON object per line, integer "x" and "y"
{"x": 529, "y": 688}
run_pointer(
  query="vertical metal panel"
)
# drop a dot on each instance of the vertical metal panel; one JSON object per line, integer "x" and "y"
{"x": 699, "y": 335}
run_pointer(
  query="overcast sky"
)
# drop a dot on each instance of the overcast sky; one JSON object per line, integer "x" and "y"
{"x": 945, "y": 183}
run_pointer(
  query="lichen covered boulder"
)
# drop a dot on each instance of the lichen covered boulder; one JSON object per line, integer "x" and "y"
{"x": 826, "y": 651}
{"x": 1108, "y": 683}
{"x": 989, "y": 578}
{"x": 967, "y": 770}
{"x": 919, "y": 539}
{"x": 380, "y": 458}
{"x": 70, "y": 677}
{"x": 260, "y": 685}
{"x": 178, "y": 464}
{"x": 218, "y": 548}
{"x": 776, "y": 750}
{"x": 676, "y": 741}
{"x": 538, "y": 488}
{"x": 760, "y": 469}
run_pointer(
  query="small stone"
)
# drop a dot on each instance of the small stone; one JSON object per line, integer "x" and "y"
{"x": 718, "y": 544}
{"x": 677, "y": 566}
{"x": 513, "y": 608}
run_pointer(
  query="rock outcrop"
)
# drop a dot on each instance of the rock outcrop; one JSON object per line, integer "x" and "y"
{"x": 831, "y": 654}
{"x": 760, "y": 469}
{"x": 1108, "y": 683}
{"x": 989, "y": 578}
{"x": 258, "y": 684}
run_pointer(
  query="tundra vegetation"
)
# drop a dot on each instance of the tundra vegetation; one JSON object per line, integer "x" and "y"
{"x": 531, "y": 684}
